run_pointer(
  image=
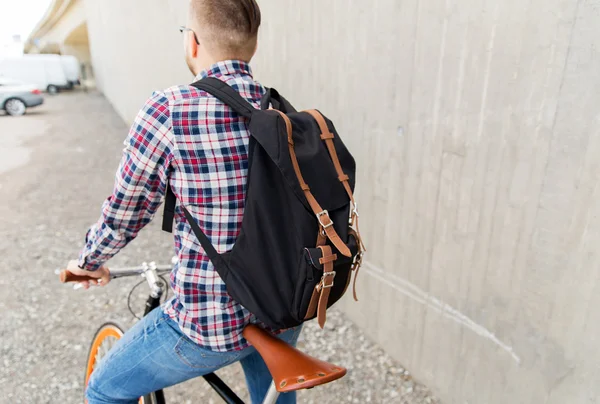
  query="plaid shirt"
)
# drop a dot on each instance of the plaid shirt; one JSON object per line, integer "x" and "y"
{"x": 200, "y": 145}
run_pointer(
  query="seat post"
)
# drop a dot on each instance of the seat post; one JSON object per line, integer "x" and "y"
{"x": 272, "y": 394}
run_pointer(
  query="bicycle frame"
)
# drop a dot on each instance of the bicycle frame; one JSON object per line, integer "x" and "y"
{"x": 157, "y": 288}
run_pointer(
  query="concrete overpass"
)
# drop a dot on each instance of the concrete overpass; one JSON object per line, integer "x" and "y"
{"x": 62, "y": 30}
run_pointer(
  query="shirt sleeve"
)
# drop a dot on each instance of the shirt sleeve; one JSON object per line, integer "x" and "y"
{"x": 139, "y": 185}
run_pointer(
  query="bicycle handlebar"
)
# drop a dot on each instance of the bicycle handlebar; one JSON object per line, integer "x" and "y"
{"x": 67, "y": 276}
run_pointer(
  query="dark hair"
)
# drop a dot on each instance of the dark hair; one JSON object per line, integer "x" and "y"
{"x": 230, "y": 26}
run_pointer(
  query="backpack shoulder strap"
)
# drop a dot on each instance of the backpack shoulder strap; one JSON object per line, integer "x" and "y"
{"x": 273, "y": 99}
{"x": 227, "y": 94}
{"x": 169, "y": 209}
{"x": 167, "y": 225}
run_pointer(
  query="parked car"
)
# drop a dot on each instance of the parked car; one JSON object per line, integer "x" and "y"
{"x": 72, "y": 70}
{"x": 46, "y": 72}
{"x": 16, "y": 97}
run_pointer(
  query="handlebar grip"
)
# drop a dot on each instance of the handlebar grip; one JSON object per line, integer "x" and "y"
{"x": 68, "y": 276}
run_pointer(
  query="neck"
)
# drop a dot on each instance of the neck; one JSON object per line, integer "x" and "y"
{"x": 206, "y": 64}
{"x": 206, "y": 61}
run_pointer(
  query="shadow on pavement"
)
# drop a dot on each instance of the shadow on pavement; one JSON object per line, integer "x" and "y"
{"x": 3, "y": 114}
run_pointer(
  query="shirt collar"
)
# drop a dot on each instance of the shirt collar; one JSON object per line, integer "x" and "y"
{"x": 226, "y": 68}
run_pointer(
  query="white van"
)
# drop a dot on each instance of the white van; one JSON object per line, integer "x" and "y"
{"x": 45, "y": 71}
{"x": 72, "y": 69}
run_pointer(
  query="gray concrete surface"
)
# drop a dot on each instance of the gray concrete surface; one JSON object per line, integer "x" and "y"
{"x": 69, "y": 150}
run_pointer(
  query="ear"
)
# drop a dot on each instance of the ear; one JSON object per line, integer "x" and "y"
{"x": 193, "y": 46}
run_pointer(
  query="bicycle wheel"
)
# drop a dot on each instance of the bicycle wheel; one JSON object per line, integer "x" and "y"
{"x": 105, "y": 338}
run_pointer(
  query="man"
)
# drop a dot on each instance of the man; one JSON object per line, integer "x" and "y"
{"x": 186, "y": 139}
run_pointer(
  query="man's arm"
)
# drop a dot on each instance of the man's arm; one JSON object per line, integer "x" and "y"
{"x": 139, "y": 185}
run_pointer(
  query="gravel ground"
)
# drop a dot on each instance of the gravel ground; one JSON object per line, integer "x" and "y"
{"x": 56, "y": 168}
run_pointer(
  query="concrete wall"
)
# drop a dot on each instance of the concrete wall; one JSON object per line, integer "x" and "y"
{"x": 476, "y": 130}
{"x": 136, "y": 48}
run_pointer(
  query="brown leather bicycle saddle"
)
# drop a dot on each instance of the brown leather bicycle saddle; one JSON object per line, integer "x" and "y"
{"x": 291, "y": 369}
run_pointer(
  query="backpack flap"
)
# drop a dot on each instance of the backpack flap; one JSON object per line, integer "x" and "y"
{"x": 313, "y": 158}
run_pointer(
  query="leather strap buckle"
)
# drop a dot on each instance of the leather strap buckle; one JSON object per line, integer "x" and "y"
{"x": 353, "y": 215}
{"x": 358, "y": 259}
{"x": 326, "y": 276}
{"x": 324, "y": 225}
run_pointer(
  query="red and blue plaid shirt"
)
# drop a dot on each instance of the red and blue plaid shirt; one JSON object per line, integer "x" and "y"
{"x": 200, "y": 146}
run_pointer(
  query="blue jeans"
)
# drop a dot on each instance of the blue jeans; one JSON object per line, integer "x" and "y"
{"x": 155, "y": 354}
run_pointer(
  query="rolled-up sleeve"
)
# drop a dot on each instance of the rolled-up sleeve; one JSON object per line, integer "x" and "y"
{"x": 139, "y": 185}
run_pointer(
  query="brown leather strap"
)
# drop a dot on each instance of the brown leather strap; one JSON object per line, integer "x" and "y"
{"x": 356, "y": 269}
{"x": 354, "y": 228}
{"x": 322, "y": 309}
{"x": 327, "y": 136}
{"x": 336, "y": 240}
{"x": 321, "y": 238}
{"x": 352, "y": 233}
{"x": 325, "y": 221}
{"x": 320, "y": 296}
{"x": 357, "y": 262}
{"x": 328, "y": 258}
{"x": 314, "y": 299}
{"x": 316, "y": 296}
{"x": 327, "y": 261}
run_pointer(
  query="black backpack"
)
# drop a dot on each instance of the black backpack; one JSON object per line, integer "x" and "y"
{"x": 299, "y": 241}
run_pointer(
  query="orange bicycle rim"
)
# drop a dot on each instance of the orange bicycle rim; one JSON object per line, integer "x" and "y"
{"x": 107, "y": 332}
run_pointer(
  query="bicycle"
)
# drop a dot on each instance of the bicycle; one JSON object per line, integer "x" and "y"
{"x": 290, "y": 369}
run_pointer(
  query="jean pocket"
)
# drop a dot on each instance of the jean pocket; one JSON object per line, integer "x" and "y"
{"x": 197, "y": 357}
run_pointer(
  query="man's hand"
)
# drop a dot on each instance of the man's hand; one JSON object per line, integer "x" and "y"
{"x": 101, "y": 275}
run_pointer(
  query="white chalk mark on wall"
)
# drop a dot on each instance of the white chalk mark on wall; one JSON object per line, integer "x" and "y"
{"x": 410, "y": 290}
